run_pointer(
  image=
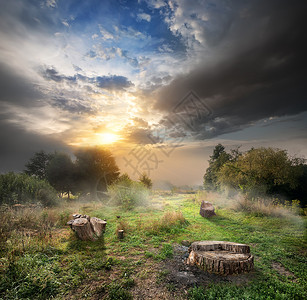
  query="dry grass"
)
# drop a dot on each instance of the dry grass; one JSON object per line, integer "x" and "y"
{"x": 266, "y": 207}
{"x": 169, "y": 220}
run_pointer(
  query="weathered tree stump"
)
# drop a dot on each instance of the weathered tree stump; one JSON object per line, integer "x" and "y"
{"x": 223, "y": 258}
{"x": 206, "y": 209}
{"x": 87, "y": 228}
{"x": 120, "y": 234}
{"x": 98, "y": 225}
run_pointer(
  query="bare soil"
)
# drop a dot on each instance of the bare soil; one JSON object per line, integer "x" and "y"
{"x": 184, "y": 276}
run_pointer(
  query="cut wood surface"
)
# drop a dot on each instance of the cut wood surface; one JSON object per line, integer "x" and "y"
{"x": 223, "y": 258}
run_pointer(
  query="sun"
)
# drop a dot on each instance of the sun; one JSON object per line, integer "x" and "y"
{"x": 107, "y": 138}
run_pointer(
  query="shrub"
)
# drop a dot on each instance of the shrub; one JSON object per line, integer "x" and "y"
{"x": 128, "y": 193}
{"x": 22, "y": 188}
{"x": 146, "y": 180}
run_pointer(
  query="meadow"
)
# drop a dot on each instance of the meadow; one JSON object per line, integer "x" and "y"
{"x": 41, "y": 258}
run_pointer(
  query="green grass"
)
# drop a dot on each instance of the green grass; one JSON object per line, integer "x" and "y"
{"x": 63, "y": 267}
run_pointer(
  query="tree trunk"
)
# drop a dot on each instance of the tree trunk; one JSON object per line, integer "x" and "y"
{"x": 223, "y": 258}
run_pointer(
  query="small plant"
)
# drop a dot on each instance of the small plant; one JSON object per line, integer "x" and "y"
{"x": 166, "y": 252}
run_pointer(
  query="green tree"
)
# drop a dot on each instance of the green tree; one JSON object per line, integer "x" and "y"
{"x": 37, "y": 165}
{"x": 60, "y": 173}
{"x": 261, "y": 171}
{"x": 216, "y": 162}
{"x": 95, "y": 169}
{"x": 144, "y": 178}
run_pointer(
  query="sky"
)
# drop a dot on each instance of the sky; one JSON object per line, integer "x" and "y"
{"x": 159, "y": 83}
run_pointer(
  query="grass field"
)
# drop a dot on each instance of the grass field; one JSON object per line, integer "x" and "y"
{"x": 41, "y": 258}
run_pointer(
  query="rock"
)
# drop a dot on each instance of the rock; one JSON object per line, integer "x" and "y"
{"x": 185, "y": 243}
{"x": 223, "y": 258}
{"x": 206, "y": 209}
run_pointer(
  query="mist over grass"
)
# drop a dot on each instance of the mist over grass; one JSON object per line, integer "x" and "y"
{"x": 36, "y": 235}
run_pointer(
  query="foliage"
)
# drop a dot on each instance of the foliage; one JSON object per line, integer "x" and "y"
{"x": 216, "y": 162}
{"x": 128, "y": 193}
{"x": 257, "y": 172}
{"x": 96, "y": 168}
{"x": 61, "y": 172}
{"x": 22, "y": 188}
{"x": 261, "y": 171}
{"x": 37, "y": 165}
{"x": 146, "y": 180}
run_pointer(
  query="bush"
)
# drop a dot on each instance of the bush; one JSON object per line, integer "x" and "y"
{"x": 22, "y": 188}
{"x": 128, "y": 193}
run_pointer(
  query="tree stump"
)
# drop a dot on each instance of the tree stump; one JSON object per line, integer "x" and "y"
{"x": 120, "y": 234}
{"x": 98, "y": 225}
{"x": 223, "y": 258}
{"x": 206, "y": 209}
{"x": 87, "y": 228}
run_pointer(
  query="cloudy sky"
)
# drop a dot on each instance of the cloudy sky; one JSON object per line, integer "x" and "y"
{"x": 157, "y": 82}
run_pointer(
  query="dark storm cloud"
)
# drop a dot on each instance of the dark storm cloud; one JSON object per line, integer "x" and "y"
{"x": 112, "y": 82}
{"x": 20, "y": 145}
{"x": 258, "y": 69}
{"x": 16, "y": 89}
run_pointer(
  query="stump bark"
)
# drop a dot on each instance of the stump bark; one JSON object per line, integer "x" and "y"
{"x": 223, "y": 258}
{"x": 206, "y": 209}
{"x": 87, "y": 228}
{"x": 98, "y": 225}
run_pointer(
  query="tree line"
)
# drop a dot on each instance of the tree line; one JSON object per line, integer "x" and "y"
{"x": 258, "y": 172}
{"x": 90, "y": 172}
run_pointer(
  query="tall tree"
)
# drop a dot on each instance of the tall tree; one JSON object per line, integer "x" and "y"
{"x": 60, "y": 173}
{"x": 217, "y": 160}
{"x": 96, "y": 168}
{"x": 37, "y": 165}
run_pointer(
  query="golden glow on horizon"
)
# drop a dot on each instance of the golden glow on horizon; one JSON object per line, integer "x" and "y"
{"x": 107, "y": 138}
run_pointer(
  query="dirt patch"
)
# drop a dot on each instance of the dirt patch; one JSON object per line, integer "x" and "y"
{"x": 183, "y": 276}
{"x": 283, "y": 271}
